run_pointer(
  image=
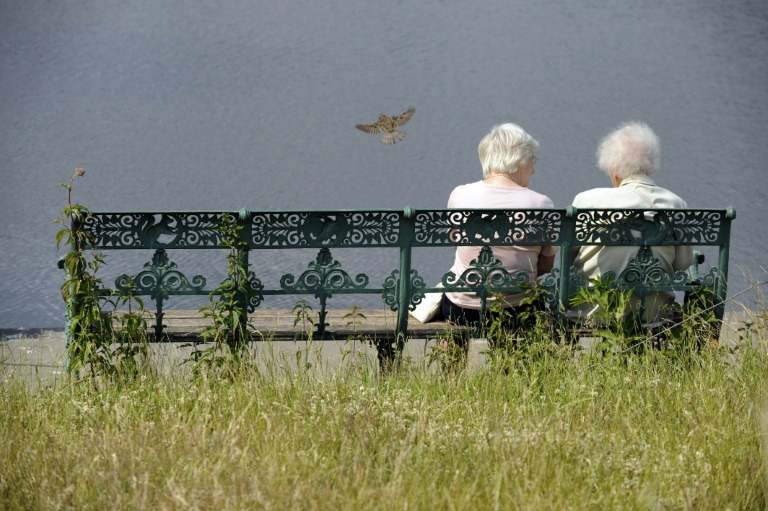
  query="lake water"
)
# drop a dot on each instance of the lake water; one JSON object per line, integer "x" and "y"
{"x": 227, "y": 104}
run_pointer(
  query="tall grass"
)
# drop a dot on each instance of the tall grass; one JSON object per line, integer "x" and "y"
{"x": 554, "y": 431}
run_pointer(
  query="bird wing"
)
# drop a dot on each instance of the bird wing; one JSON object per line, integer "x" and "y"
{"x": 370, "y": 128}
{"x": 404, "y": 117}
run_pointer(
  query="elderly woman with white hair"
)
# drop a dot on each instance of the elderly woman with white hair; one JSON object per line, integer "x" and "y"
{"x": 629, "y": 156}
{"x": 507, "y": 156}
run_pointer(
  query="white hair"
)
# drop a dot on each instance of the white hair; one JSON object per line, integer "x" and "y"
{"x": 503, "y": 149}
{"x": 633, "y": 149}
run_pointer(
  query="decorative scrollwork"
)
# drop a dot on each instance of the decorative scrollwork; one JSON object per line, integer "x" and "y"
{"x": 645, "y": 274}
{"x": 160, "y": 280}
{"x": 550, "y": 286}
{"x": 153, "y": 230}
{"x": 485, "y": 274}
{"x": 391, "y": 290}
{"x": 712, "y": 278}
{"x": 323, "y": 276}
{"x": 659, "y": 227}
{"x": 249, "y": 292}
{"x": 500, "y": 227}
{"x": 255, "y": 288}
{"x": 435, "y": 227}
{"x": 316, "y": 229}
{"x": 696, "y": 226}
{"x": 575, "y": 279}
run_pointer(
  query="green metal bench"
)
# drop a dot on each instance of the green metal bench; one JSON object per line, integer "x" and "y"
{"x": 324, "y": 233}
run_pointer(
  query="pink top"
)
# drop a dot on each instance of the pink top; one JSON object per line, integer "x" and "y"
{"x": 513, "y": 259}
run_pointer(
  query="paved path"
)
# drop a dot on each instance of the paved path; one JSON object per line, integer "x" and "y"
{"x": 39, "y": 355}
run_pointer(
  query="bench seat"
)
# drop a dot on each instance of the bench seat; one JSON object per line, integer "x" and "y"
{"x": 278, "y": 325}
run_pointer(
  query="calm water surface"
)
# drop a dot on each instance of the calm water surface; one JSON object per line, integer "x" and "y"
{"x": 173, "y": 105}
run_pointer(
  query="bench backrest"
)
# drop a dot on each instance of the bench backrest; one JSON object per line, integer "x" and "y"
{"x": 404, "y": 288}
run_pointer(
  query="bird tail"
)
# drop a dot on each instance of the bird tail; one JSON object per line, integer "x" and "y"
{"x": 392, "y": 137}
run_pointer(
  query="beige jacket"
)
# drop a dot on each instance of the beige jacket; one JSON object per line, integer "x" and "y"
{"x": 593, "y": 261}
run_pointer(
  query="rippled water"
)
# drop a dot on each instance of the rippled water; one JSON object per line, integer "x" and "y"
{"x": 172, "y": 105}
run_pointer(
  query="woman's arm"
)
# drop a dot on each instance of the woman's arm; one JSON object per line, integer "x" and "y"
{"x": 545, "y": 264}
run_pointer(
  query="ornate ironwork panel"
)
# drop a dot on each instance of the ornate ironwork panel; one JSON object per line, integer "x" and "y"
{"x": 323, "y": 277}
{"x": 480, "y": 227}
{"x": 154, "y": 230}
{"x": 320, "y": 229}
{"x": 645, "y": 273}
{"x": 485, "y": 274}
{"x": 391, "y": 290}
{"x": 658, "y": 227}
{"x": 160, "y": 280}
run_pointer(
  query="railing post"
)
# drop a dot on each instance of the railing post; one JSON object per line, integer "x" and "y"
{"x": 721, "y": 283}
{"x": 567, "y": 241}
{"x": 407, "y": 235}
{"x": 243, "y": 248}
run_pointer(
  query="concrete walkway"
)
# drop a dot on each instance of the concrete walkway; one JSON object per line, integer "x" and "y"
{"x": 39, "y": 355}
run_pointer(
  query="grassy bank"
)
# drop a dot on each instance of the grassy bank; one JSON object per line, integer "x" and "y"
{"x": 644, "y": 431}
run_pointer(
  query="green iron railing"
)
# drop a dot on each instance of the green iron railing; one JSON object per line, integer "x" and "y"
{"x": 406, "y": 230}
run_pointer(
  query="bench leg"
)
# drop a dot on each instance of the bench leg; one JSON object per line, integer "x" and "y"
{"x": 389, "y": 354}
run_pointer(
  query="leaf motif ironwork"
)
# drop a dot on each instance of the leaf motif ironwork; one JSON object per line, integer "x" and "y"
{"x": 323, "y": 277}
{"x": 153, "y": 230}
{"x": 318, "y": 229}
{"x": 160, "y": 280}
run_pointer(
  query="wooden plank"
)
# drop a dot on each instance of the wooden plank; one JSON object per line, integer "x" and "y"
{"x": 373, "y": 324}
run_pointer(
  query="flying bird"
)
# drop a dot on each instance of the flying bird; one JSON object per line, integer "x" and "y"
{"x": 388, "y": 126}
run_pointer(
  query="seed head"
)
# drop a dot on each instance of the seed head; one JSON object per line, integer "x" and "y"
{"x": 79, "y": 172}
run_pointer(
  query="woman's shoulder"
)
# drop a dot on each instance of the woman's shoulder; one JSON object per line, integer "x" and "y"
{"x": 542, "y": 200}
{"x": 465, "y": 192}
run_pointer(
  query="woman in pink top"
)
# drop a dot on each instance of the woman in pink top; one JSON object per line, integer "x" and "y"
{"x": 507, "y": 156}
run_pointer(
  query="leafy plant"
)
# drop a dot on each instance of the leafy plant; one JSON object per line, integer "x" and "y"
{"x": 698, "y": 326}
{"x": 524, "y": 337}
{"x": 229, "y": 330}
{"x": 450, "y": 352}
{"x": 616, "y": 322}
{"x": 355, "y": 319}
{"x": 91, "y": 333}
{"x": 131, "y": 337}
{"x": 303, "y": 315}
